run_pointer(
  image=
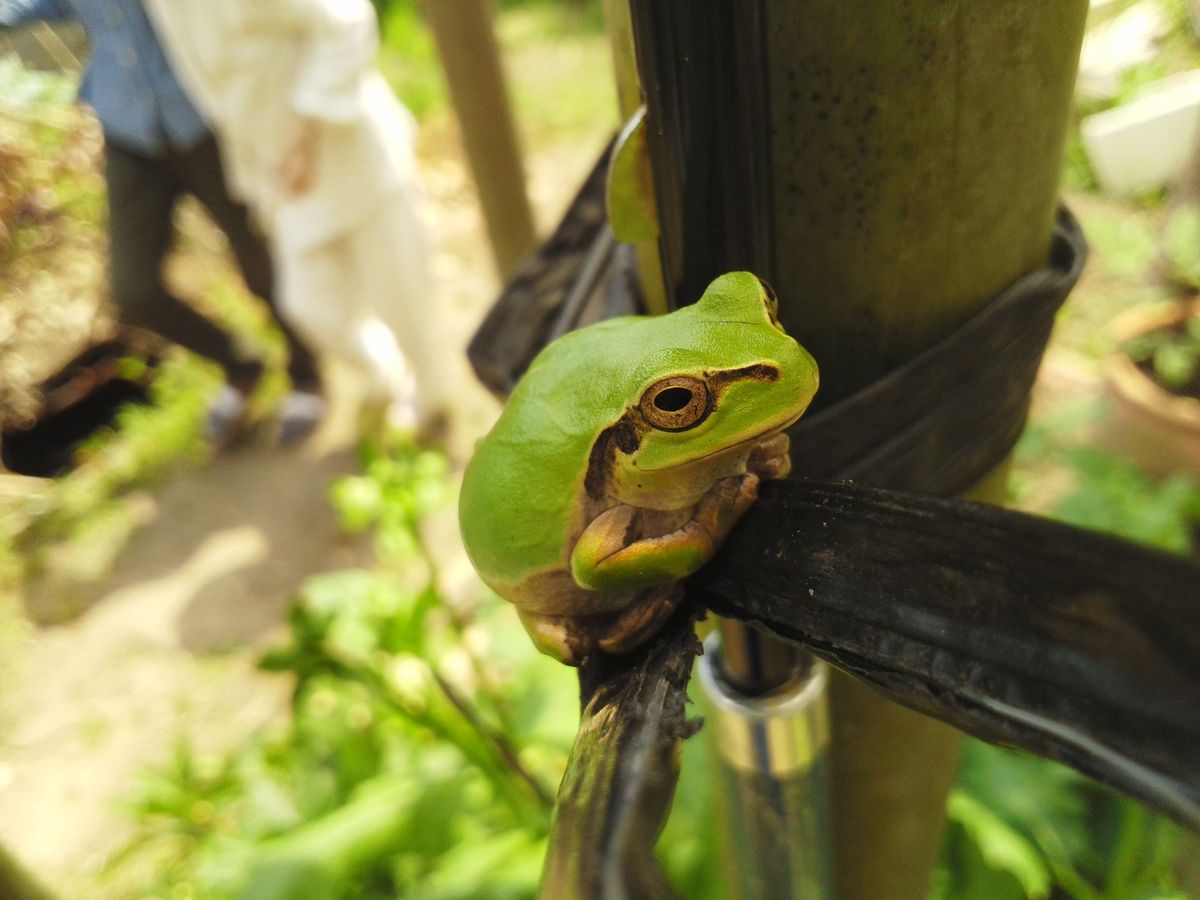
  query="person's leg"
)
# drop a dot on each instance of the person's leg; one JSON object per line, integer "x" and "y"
{"x": 141, "y": 195}
{"x": 201, "y": 171}
{"x": 321, "y": 293}
{"x": 391, "y": 253}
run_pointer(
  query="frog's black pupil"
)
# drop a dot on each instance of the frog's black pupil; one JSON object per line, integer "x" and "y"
{"x": 673, "y": 399}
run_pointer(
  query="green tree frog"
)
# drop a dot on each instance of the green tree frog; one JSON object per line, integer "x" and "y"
{"x": 623, "y": 458}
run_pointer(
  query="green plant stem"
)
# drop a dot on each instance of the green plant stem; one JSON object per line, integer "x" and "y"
{"x": 459, "y": 622}
{"x": 1064, "y": 871}
{"x": 497, "y": 739}
{"x": 1125, "y": 855}
{"x": 522, "y": 795}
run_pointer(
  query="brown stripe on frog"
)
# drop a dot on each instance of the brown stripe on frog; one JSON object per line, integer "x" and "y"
{"x": 719, "y": 381}
{"x": 622, "y": 436}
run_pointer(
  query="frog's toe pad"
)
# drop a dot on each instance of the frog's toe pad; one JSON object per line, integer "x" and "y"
{"x": 770, "y": 459}
{"x": 553, "y": 635}
{"x": 641, "y": 619}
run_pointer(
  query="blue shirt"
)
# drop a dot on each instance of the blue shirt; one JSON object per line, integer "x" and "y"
{"x": 129, "y": 83}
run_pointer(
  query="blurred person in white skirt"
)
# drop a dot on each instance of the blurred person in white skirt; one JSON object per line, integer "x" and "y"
{"x": 316, "y": 142}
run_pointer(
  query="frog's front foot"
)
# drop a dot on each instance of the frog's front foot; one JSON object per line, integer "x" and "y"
{"x": 770, "y": 457}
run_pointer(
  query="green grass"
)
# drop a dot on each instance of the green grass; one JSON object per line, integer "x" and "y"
{"x": 408, "y": 59}
{"x": 555, "y": 58}
{"x": 389, "y": 777}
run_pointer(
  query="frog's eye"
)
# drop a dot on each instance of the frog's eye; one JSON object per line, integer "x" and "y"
{"x": 676, "y": 403}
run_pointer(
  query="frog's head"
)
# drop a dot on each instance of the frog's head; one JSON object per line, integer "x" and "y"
{"x": 722, "y": 376}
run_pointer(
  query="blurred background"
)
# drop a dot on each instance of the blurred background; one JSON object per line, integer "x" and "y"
{"x": 274, "y": 674}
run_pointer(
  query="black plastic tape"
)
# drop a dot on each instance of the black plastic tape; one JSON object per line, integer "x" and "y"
{"x": 940, "y": 422}
{"x": 1067, "y": 643}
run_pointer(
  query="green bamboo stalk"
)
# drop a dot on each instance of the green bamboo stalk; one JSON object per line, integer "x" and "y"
{"x": 918, "y": 173}
{"x": 902, "y": 170}
{"x": 916, "y": 176}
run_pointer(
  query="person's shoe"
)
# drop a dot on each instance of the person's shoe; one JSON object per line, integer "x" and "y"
{"x": 299, "y": 415}
{"x": 228, "y": 421}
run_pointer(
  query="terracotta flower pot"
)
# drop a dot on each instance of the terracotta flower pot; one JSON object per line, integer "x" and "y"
{"x": 1157, "y": 430}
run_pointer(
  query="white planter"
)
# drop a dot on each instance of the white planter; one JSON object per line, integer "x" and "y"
{"x": 1148, "y": 142}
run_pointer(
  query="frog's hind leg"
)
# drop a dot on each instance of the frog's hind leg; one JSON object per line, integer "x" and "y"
{"x": 641, "y": 619}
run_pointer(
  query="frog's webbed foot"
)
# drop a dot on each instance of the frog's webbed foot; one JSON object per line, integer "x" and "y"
{"x": 770, "y": 458}
{"x": 641, "y": 619}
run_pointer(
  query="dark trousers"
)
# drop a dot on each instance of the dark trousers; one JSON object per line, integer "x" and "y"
{"x": 142, "y": 193}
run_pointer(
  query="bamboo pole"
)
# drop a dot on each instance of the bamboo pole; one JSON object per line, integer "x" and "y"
{"x": 889, "y": 166}
{"x": 471, "y": 60}
{"x": 919, "y": 171}
{"x": 918, "y": 176}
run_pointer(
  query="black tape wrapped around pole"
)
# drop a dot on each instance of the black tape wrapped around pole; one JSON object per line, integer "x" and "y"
{"x": 1066, "y": 643}
{"x": 942, "y": 420}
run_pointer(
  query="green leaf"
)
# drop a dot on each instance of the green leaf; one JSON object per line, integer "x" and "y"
{"x": 357, "y": 500}
{"x": 1112, "y": 495}
{"x": 1001, "y": 846}
{"x": 498, "y": 867}
{"x": 1176, "y": 364}
{"x": 963, "y": 874}
{"x": 1181, "y": 243}
{"x": 310, "y": 861}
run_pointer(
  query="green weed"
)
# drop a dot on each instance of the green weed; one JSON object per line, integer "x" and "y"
{"x": 420, "y": 757}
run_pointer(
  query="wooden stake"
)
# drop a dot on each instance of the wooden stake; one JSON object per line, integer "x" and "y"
{"x": 471, "y": 61}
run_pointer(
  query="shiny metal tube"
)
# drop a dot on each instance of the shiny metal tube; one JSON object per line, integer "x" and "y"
{"x": 772, "y": 757}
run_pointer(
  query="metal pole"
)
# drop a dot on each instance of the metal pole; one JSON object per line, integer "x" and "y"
{"x": 771, "y": 753}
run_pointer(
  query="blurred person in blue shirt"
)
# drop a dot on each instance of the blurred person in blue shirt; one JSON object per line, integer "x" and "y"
{"x": 157, "y": 148}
